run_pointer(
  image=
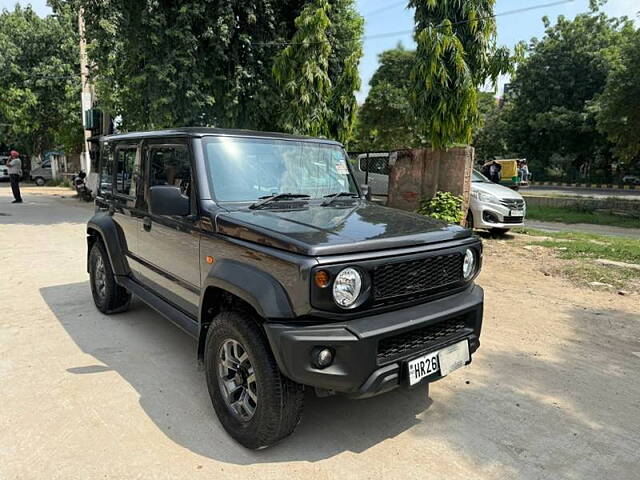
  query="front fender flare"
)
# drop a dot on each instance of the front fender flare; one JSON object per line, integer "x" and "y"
{"x": 256, "y": 287}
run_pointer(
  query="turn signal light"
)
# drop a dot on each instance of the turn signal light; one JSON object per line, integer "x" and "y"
{"x": 210, "y": 260}
{"x": 322, "y": 278}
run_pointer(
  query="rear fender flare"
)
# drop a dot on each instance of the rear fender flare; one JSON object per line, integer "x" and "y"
{"x": 112, "y": 238}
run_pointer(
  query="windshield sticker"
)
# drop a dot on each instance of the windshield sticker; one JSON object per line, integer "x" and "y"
{"x": 341, "y": 168}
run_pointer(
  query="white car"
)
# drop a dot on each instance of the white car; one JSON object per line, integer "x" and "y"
{"x": 494, "y": 207}
{"x": 4, "y": 171}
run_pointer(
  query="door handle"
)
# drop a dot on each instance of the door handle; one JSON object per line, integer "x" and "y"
{"x": 146, "y": 223}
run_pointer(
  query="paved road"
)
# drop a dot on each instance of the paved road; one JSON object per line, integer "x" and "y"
{"x": 552, "y": 393}
{"x": 580, "y": 192}
{"x": 585, "y": 228}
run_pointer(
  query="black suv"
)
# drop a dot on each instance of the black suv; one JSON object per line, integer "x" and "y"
{"x": 264, "y": 249}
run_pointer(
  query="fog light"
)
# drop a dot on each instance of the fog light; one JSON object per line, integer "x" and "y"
{"x": 322, "y": 357}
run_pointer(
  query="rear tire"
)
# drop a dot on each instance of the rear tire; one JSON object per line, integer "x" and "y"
{"x": 108, "y": 296}
{"x": 273, "y": 402}
{"x": 39, "y": 181}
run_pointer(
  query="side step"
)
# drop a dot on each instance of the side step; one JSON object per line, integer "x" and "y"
{"x": 178, "y": 317}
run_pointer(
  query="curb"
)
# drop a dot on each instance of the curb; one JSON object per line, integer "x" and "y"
{"x": 587, "y": 185}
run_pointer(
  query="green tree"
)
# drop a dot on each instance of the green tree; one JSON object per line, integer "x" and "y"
{"x": 210, "y": 62}
{"x": 386, "y": 120}
{"x": 302, "y": 72}
{"x": 456, "y": 56}
{"x": 618, "y": 108}
{"x": 490, "y": 139}
{"x": 40, "y": 82}
{"x": 564, "y": 71}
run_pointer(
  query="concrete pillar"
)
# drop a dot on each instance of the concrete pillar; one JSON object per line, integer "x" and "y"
{"x": 420, "y": 173}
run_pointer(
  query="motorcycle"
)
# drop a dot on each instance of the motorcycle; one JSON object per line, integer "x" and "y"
{"x": 81, "y": 187}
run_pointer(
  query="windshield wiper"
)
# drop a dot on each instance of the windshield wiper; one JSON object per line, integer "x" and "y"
{"x": 273, "y": 198}
{"x": 331, "y": 198}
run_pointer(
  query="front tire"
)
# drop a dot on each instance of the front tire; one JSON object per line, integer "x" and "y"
{"x": 255, "y": 403}
{"x": 469, "y": 221}
{"x": 108, "y": 296}
{"x": 39, "y": 181}
{"x": 499, "y": 231}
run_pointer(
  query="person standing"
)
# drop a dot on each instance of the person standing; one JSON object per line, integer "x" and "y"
{"x": 14, "y": 167}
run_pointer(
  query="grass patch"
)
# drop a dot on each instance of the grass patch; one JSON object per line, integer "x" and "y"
{"x": 586, "y": 272}
{"x": 582, "y": 249}
{"x": 589, "y": 246}
{"x": 568, "y": 215}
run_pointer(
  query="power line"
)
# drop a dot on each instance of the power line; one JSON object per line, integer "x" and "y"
{"x": 451, "y": 24}
{"x": 384, "y": 9}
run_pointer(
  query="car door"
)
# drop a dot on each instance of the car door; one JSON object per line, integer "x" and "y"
{"x": 120, "y": 181}
{"x": 169, "y": 244}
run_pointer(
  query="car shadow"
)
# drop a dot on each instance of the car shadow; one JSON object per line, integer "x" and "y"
{"x": 159, "y": 361}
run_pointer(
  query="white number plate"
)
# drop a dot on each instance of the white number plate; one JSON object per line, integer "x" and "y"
{"x": 517, "y": 213}
{"x": 446, "y": 361}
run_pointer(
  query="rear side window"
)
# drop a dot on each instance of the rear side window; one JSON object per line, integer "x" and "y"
{"x": 170, "y": 165}
{"x": 106, "y": 170}
{"x": 125, "y": 171}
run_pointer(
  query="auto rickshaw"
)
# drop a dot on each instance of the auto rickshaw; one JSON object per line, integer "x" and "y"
{"x": 509, "y": 176}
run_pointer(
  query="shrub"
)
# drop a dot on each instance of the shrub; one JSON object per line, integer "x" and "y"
{"x": 443, "y": 206}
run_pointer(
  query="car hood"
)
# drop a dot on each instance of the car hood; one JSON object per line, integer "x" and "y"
{"x": 496, "y": 190}
{"x": 317, "y": 230}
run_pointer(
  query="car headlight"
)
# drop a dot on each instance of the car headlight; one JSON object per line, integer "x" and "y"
{"x": 469, "y": 264}
{"x": 346, "y": 287}
{"x": 486, "y": 197}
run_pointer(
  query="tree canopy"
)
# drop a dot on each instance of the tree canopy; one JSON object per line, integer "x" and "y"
{"x": 618, "y": 108}
{"x": 260, "y": 64}
{"x": 40, "y": 83}
{"x": 550, "y": 121}
{"x": 386, "y": 120}
{"x": 456, "y": 55}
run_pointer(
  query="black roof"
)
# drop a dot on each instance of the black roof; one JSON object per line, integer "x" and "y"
{"x": 207, "y": 131}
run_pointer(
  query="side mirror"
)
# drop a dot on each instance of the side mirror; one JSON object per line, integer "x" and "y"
{"x": 169, "y": 200}
{"x": 366, "y": 190}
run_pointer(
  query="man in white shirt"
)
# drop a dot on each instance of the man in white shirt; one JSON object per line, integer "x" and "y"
{"x": 14, "y": 167}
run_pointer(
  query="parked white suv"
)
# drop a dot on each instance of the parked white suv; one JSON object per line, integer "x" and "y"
{"x": 494, "y": 207}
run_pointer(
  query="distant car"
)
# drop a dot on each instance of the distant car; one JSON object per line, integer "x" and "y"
{"x": 631, "y": 180}
{"x": 494, "y": 207}
{"x": 4, "y": 171}
{"x": 41, "y": 174}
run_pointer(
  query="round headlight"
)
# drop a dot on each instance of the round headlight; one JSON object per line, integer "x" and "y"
{"x": 346, "y": 287}
{"x": 469, "y": 264}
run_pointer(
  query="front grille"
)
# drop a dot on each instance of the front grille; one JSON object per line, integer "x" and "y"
{"x": 512, "y": 203}
{"x": 421, "y": 339}
{"x": 406, "y": 278}
{"x": 512, "y": 219}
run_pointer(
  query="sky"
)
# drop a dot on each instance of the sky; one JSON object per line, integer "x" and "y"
{"x": 389, "y": 16}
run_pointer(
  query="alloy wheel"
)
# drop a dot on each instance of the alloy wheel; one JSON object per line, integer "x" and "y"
{"x": 237, "y": 380}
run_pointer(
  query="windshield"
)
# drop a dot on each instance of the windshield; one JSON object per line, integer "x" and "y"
{"x": 246, "y": 169}
{"x": 478, "y": 177}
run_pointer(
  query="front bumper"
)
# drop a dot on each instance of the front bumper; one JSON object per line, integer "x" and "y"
{"x": 371, "y": 352}
{"x": 488, "y": 216}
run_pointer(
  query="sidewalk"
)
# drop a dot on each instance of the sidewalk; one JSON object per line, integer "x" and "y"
{"x": 584, "y": 228}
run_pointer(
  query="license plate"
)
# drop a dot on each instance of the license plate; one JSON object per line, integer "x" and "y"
{"x": 517, "y": 213}
{"x": 445, "y": 361}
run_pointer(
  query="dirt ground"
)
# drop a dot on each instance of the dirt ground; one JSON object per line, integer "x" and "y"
{"x": 553, "y": 392}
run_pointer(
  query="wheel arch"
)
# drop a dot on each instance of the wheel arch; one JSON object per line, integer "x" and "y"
{"x": 233, "y": 285}
{"x": 102, "y": 227}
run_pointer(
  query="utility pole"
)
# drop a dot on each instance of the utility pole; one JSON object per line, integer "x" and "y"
{"x": 87, "y": 94}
